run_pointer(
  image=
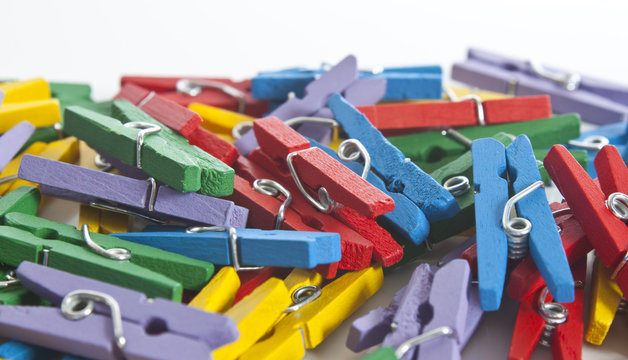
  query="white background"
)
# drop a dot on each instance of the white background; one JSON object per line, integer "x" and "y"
{"x": 97, "y": 42}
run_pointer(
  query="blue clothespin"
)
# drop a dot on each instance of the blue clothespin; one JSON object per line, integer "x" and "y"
{"x": 231, "y": 246}
{"x": 593, "y": 140}
{"x": 499, "y": 236}
{"x": 406, "y": 219}
{"x": 17, "y": 350}
{"x": 400, "y": 174}
{"x": 415, "y": 82}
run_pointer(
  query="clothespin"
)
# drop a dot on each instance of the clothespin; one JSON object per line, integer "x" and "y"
{"x": 231, "y": 246}
{"x": 388, "y": 162}
{"x": 70, "y": 94}
{"x": 356, "y": 205}
{"x": 431, "y": 150}
{"x": 435, "y": 298}
{"x": 600, "y": 210}
{"x": 606, "y": 300}
{"x": 406, "y": 219}
{"x": 154, "y": 149}
{"x": 452, "y": 92}
{"x": 402, "y": 83}
{"x": 593, "y": 140}
{"x": 174, "y": 116}
{"x": 130, "y": 196}
{"x": 40, "y": 113}
{"x": 499, "y": 236}
{"x": 554, "y": 324}
{"x": 141, "y": 328}
{"x": 397, "y": 119}
{"x": 152, "y": 271}
{"x": 17, "y": 350}
{"x": 223, "y": 93}
{"x": 65, "y": 150}
{"x": 312, "y": 323}
{"x": 219, "y": 121}
{"x": 11, "y": 142}
{"x": 25, "y": 91}
{"x": 525, "y": 278}
{"x": 336, "y": 79}
{"x": 597, "y": 101}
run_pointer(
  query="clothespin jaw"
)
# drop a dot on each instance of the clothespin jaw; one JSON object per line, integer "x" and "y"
{"x": 24, "y": 91}
{"x": 40, "y": 113}
{"x": 387, "y": 161}
{"x": 12, "y": 141}
{"x": 217, "y": 120}
{"x": 603, "y": 229}
{"x": 24, "y": 200}
{"x": 606, "y": 299}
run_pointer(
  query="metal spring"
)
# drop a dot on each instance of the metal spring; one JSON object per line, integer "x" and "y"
{"x": 517, "y": 247}
{"x": 554, "y": 314}
{"x": 623, "y": 306}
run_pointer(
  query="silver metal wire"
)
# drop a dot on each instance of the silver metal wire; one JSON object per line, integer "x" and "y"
{"x": 80, "y": 303}
{"x": 8, "y": 178}
{"x": 569, "y": 81}
{"x": 553, "y": 313}
{"x": 273, "y": 188}
{"x": 195, "y": 88}
{"x": 593, "y": 142}
{"x": 325, "y": 204}
{"x": 452, "y": 133}
{"x": 417, "y": 340}
{"x": 350, "y": 150}
{"x": 303, "y": 296}
{"x": 233, "y": 244}
{"x": 145, "y": 130}
{"x": 240, "y": 129}
{"x": 517, "y": 229}
{"x": 617, "y": 203}
{"x": 10, "y": 280}
{"x": 457, "y": 185}
{"x": 101, "y": 163}
{"x": 113, "y": 253}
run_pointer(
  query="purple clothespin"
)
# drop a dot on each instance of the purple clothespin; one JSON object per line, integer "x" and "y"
{"x": 12, "y": 141}
{"x": 441, "y": 292}
{"x": 142, "y": 328}
{"x": 337, "y": 79}
{"x": 596, "y": 101}
{"x": 136, "y": 197}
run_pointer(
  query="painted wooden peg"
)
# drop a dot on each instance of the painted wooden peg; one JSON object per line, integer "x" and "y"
{"x": 163, "y": 155}
{"x": 593, "y": 140}
{"x": 12, "y": 141}
{"x": 597, "y": 101}
{"x": 400, "y": 175}
{"x": 606, "y": 299}
{"x": 218, "y": 295}
{"x": 253, "y": 246}
{"x": 217, "y": 120}
{"x": 183, "y": 331}
{"x": 406, "y": 118}
{"x": 41, "y": 113}
{"x": 25, "y": 91}
{"x": 587, "y": 200}
{"x": 497, "y": 238}
{"x": 156, "y": 271}
{"x": 23, "y": 200}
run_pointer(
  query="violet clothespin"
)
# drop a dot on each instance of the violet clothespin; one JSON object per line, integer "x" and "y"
{"x": 443, "y": 292}
{"x": 131, "y": 196}
{"x": 12, "y": 141}
{"x": 142, "y": 328}
{"x": 597, "y": 101}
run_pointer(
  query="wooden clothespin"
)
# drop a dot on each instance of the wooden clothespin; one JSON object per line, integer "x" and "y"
{"x": 312, "y": 323}
{"x": 231, "y": 246}
{"x": 130, "y": 196}
{"x": 25, "y": 91}
{"x": 402, "y": 83}
{"x": 606, "y": 301}
{"x": 223, "y": 93}
{"x": 12, "y": 141}
{"x": 400, "y": 175}
{"x": 435, "y": 298}
{"x": 558, "y": 325}
{"x": 601, "y": 223}
{"x": 153, "y": 271}
{"x": 499, "y": 236}
{"x": 183, "y": 331}
{"x": 157, "y": 151}
{"x": 404, "y": 118}
{"x": 219, "y": 121}
{"x": 597, "y": 101}
{"x": 176, "y": 117}
{"x": 40, "y": 113}
{"x": 356, "y": 206}
{"x": 593, "y": 140}
{"x": 452, "y": 92}
{"x": 431, "y": 150}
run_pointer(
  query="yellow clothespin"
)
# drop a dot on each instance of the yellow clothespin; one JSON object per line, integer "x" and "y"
{"x": 65, "y": 150}
{"x": 39, "y": 113}
{"x": 316, "y": 320}
{"x": 460, "y": 91}
{"x": 217, "y": 120}
{"x": 606, "y": 299}
{"x": 23, "y": 91}
{"x": 219, "y": 293}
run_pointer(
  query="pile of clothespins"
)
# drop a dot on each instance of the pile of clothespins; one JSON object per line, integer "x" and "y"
{"x": 231, "y": 220}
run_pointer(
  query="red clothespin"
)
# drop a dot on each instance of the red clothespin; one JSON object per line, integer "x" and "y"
{"x": 551, "y": 324}
{"x": 406, "y": 118}
{"x": 269, "y": 212}
{"x": 180, "y": 119}
{"x": 362, "y": 201}
{"x": 222, "y": 93}
{"x": 250, "y": 280}
{"x": 597, "y": 208}
{"x": 525, "y": 278}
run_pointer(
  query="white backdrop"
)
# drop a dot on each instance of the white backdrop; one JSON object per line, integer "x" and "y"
{"x": 96, "y": 42}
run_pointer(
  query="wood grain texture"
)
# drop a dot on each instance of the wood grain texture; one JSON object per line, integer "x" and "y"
{"x": 586, "y": 199}
{"x": 214, "y": 145}
{"x": 567, "y": 338}
{"x": 39, "y": 113}
{"x": 400, "y": 175}
{"x": 544, "y": 242}
{"x": 520, "y": 108}
{"x": 605, "y": 299}
{"x": 528, "y": 328}
{"x": 277, "y": 139}
{"x": 491, "y": 195}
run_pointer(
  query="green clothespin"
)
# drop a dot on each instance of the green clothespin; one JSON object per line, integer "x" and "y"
{"x": 428, "y": 149}
{"x": 155, "y": 272}
{"x": 164, "y": 155}
{"x": 24, "y": 199}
